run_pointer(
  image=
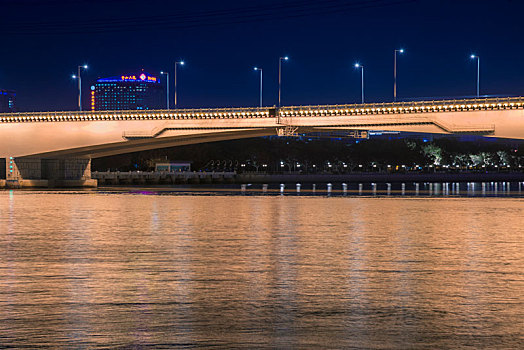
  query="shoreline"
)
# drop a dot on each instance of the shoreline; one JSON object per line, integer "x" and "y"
{"x": 140, "y": 179}
{"x": 195, "y": 178}
{"x": 382, "y": 178}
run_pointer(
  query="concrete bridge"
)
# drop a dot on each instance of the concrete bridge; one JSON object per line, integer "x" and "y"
{"x": 57, "y": 147}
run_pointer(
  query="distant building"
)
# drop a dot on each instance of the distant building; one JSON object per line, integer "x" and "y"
{"x": 173, "y": 167}
{"x": 128, "y": 92}
{"x": 7, "y": 101}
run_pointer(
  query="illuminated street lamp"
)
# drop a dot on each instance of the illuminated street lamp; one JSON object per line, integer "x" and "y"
{"x": 79, "y": 77}
{"x": 260, "y": 69}
{"x": 167, "y": 81}
{"x": 395, "y": 73}
{"x": 358, "y": 65}
{"x": 478, "y": 73}
{"x": 177, "y": 63}
{"x": 285, "y": 58}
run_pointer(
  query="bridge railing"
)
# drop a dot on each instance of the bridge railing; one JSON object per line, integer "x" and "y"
{"x": 405, "y": 107}
{"x": 270, "y": 112}
{"x": 488, "y": 100}
{"x": 201, "y": 113}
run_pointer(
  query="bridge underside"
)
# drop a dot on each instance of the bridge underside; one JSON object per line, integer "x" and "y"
{"x": 173, "y": 138}
{"x": 144, "y": 144}
{"x": 72, "y": 167}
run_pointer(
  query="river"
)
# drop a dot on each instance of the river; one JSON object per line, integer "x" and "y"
{"x": 156, "y": 269}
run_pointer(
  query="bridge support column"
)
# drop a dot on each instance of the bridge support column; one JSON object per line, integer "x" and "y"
{"x": 3, "y": 172}
{"x": 41, "y": 172}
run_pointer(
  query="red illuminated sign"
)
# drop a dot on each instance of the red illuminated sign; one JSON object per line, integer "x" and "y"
{"x": 141, "y": 77}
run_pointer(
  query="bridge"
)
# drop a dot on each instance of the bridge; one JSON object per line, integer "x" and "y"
{"x": 39, "y": 148}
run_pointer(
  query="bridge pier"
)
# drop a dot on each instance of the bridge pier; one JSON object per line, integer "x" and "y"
{"x": 42, "y": 172}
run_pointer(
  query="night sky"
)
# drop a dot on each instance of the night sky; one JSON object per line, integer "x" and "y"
{"x": 43, "y": 41}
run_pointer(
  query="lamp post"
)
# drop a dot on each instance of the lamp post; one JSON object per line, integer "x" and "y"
{"x": 260, "y": 69}
{"x": 358, "y": 65}
{"x": 285, "y": 58}
{"x": 79, "y": 77}
{"x": 167, "y": 81}
{"x": 176, "y": 64}
{"x": 395, "y": 73}
{"x": 478, "y": 72}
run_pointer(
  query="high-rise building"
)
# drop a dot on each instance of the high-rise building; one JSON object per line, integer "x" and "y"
{"x": 127, "y": 92}
{"x": 7, "y": 101}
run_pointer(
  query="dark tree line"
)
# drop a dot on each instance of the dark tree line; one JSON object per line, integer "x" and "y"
{"x": 306, "y": 155}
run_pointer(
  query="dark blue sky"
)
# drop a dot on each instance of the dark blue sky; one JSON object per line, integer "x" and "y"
{"x": 44, "y": 40}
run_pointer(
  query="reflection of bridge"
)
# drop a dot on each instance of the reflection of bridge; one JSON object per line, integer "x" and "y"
{"x": 38, "y": 145}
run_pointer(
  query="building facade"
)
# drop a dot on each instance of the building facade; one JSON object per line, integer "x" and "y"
{"x": 173, "y": 167}
{"x": 7, "y": 101}
{"x": 140, "y": 91}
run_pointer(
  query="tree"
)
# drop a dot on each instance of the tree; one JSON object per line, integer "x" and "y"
{"x": 433, "y": 152}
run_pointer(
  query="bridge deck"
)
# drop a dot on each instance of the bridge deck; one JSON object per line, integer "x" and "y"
{"x": 270, "y": 112}
{"x": 103, "y": 133}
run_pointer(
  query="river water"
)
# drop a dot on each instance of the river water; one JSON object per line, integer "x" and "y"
{"x": 149, "y": 269}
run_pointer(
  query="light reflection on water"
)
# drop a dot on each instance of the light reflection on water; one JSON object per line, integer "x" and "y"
{"x": 423, "y": 189}
{"x": 107, "y": 269}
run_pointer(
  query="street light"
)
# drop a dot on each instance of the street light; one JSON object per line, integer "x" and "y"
{"x": 358, "y": 65}
{"x": 79, "y": 77}
{"x": 260, "y": 69}
{"x": 285, "y": 58}
{"x": 395, "y": 73}
{"x": 167, "y": 81}
{"x": 478, "y": 72}
{"x": 177, "y": 63}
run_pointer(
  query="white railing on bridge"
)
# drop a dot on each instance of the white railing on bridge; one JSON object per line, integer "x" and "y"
{"x": 405, "y": 107}
{"x": 271, "y": 112}
{"x": 172, "y": 114}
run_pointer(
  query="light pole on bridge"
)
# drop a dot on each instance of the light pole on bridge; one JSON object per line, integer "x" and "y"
{"x": 358, "y": 65}
{"x": 177, "y": 63}
{"x": 167, "y": 82}
{"x": 260, "y": 69}
{"x": 395, "y": 73}
{"x": 79, "y": 77}
{"x": 478, "y": 72}
{"x": 285, "y": 58}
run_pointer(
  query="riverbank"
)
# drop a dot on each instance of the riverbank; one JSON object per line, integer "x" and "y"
{"x": 379, "y": 177}
{"x": 42, "y": 183}
{"x": 163, "y": 178}
{"x": 140, "y": 178}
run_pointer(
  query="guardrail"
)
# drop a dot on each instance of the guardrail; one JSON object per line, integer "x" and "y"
{"x": 203, "y": 113}
{"x": 271, "y": 112}
{"x": 405, "y": 107}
